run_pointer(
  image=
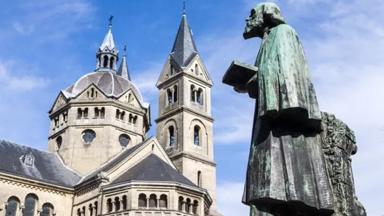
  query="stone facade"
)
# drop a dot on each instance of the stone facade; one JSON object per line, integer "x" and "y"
{"x": 100, "y": 160}
{"x": 184, "y": 125}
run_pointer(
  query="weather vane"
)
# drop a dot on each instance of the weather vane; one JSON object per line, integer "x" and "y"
{"x": 110, "y": 20}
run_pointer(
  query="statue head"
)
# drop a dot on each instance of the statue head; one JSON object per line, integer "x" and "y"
{"x": 264, "y": 16}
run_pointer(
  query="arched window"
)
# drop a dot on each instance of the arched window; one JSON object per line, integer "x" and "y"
{"x": 171, "y": 136}
{"x": 109, "y": 205}
{"x": 169, "y": 96}
{"x": 175, "y": 94}
{"x": 124, "y": 140}
{"x": 105, "y": 61}
{"x": 47, "y": 210}
{"x": 111, "y": 62}
{"x": 142, "y": 201}
{"x": 13, "y": 205}
{"x": 181, "y": 203}
{"x": 117, "y": 204}
{"x": 152, "y": 201}
{"x": 199, "y": 98}
{"x": 188, "y": 205}
{"x": 96, "y": 207}
{"x": 59, "y": 141}
{"x": 78, "y": 212}
{"x": 83, "y": 211}
{"x": 30, "y": 205}
{"x": 163, "y": 203}
{"x": 90, "y": 207}
{"x": 196, "y": 135}
{"x": 117, "y": 114}
{"x": 102, "y": 112}
{"x": 122, "y": 115}
{"x": 79, "y": 113}
{"x": 193, "y": 96}
{"x": 85, "y": 114}
{"x": 97, "y": 112}
{"x": 196, "y": 69}
{"x": 195, "y": 206}
{"x": 130, "y": 120}
{"x": 199, "y": 180}
{"x": 124, "y": 202}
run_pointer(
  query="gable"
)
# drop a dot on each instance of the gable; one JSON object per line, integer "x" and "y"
{"x": 60, "y": 102}
{"x": 130, "y": 98}
{"x": 92, "y": 92}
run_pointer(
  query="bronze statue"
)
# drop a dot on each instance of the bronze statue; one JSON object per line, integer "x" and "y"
{"x": 299, "y": 162}
{"x": 286, "y": 172}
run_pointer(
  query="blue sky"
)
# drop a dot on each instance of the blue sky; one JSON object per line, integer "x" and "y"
{"x": 47, "y": 45}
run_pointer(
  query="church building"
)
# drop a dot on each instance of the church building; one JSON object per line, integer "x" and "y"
{"x": 100, "y": 160}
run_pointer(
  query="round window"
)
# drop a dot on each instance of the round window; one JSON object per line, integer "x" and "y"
{"x": 59, "y": 141}
{"x": 124, "y": 140}
{"x": 88, "y": 136}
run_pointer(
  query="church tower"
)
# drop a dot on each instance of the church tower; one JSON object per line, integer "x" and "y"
{"x": 98, "y": 116}
{"x": 184, "y": 125}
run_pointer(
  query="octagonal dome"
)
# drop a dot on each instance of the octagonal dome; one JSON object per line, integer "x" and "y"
{"x": 110, "y": 83}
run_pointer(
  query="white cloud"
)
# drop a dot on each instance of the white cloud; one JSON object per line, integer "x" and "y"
{"x": 20, "y": 82}
{"x": 229, "y": 195}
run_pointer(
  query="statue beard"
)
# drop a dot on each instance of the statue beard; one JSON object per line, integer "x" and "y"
{"x": 254, "y": 29}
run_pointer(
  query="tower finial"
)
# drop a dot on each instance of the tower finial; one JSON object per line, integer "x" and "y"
{"x": 125, "y": 50}
{"x": 184, "y": 7}
{"x": 110, "y": 21}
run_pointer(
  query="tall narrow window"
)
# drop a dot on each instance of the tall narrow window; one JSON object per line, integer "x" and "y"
{"x": 196, "y": 69}
{"x": 30, "y": 205}
{"x": 171, "y": 136}
{"x": 169, "y": 96}
{"x": 124, "y": 202}
{"x": 90, "y": 207}
{"x": 199, "y": 98}
{"x": 117, "y": 204}
{"x": 172, "y": 70}
{"x": 195, "y": 207}
{"x": 97, "y": 112}
{"x": 188, "y": 205}
{"x": 142, "y": 201}
{"x": 59, "y": 141}
{"x": 79, "y": 113}
{"x": 96, "y": 207}
{"x": 85, "y": 115}
{"x": 111, "y": 63}
{"x": 109, "y": 205}
{"x": 117, "y": 114}
{"x": 181, "y": 203}
{"x": 105, "y": 61}
{"x": 175, "y": 94}
{"x": 152, "y": 201}
{"x": 163, "y": 201}
{"x": 47, "y": 210}
{"x": 102, "y": 112}
{"x": 196, "y": 135}
{"x": 199, "y": 182}
{"x": 13, "y": 205}
{"x": 193, "y": 96}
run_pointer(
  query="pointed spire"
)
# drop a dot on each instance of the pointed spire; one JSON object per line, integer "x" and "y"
{"x": 108, "y": 41}
{"x": 107, "y": 55}
{"x": 184, "y": 47}
{"x": 123, "y": 69}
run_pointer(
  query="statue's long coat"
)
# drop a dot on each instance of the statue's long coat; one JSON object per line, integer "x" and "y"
{"x": 286, "y": 164}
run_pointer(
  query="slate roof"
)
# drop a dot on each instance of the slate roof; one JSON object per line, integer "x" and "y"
{"x": 109, "y": 82}
{"x": 152, "y": 168}
{"x": 111, "y": 163}
{"x": 184, "y": 48}
{"x": 47, "y": 167}
{"x": 108, "y": 42}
